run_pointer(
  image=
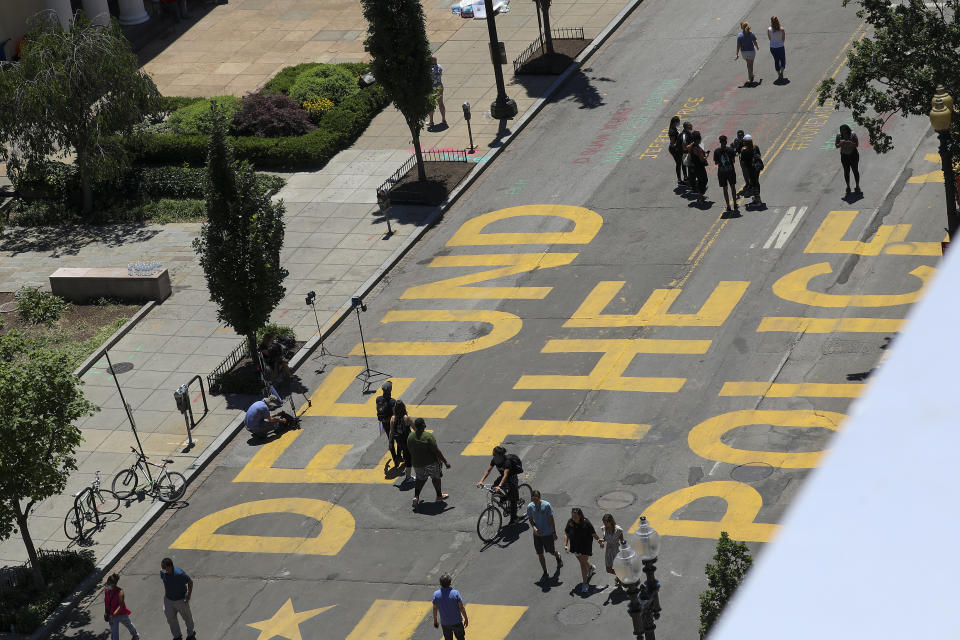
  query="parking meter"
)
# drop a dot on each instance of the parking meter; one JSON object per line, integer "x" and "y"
{"x": 466, "y": 111}
{"x": 182, "y": 399}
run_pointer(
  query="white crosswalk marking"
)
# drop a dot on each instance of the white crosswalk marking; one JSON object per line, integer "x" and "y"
{"x": 783, "y": 230}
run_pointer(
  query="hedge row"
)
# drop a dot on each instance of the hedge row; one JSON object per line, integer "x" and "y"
{"x": 283, "y": 81}
{"x": 336, "y": 130}
{"x": 24, "y": 606}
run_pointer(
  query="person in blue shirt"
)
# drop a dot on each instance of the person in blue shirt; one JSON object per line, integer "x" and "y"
{"x": 448, "y": 603}
{"x": 540, "y": 517}
{"x": 260, "y": 422}
{"x": 747, "y": 45}
{"x": 177, "y": 589}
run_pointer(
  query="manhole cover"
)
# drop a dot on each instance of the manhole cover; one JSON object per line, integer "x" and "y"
{"x": 616, "y": 500}
{"x": 7, "y": 307}
{"x": 639, "y": 478}
{"x": 121, "y": 367}
{"x": 754, "y": 472}
{"x": 578, "y": 613}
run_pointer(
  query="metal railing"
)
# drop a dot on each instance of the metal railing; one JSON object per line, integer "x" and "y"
{"x": 235, "y": 356}
{"x": 453, "y": 155}
{"x": 538, "y": 46}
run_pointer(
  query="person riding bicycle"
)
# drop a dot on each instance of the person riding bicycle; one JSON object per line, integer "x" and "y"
{"x": 260, "y": 422}
{"x": 510, "y": 468}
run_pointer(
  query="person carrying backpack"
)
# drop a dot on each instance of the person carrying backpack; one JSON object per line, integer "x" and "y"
{"x": 723, "y": 157}
{"x": 385, "y": 409}
{"x": 510, "y": 468}
{"x": 752, "y": 165}
{"x": 698, "y": 166}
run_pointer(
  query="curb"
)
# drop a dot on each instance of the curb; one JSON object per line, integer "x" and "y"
{"x": 114, "y": 339}
{"x": 65, "y": 607}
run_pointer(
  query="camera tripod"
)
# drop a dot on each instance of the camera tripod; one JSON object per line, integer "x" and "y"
{"x": 367, "y": 375}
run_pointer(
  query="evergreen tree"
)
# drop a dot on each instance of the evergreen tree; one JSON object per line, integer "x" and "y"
{"x": 731, "y": 562}
{"x": 240, "y": 243}
{"x": 400, "y": 52}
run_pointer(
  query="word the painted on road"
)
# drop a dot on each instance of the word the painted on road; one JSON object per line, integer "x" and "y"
{"x": 808, "y": 132}
{"x": 781, "y": 233}
{"x": 933, "y": 176}
{"x": 655, "y": 148}
{"x": 597, "y": 144}
{"x": 888, "y": 239}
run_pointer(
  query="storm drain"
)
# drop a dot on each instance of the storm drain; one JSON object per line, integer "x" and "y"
{"x": 619, "y": 499}
{"x": 120, "y": 367}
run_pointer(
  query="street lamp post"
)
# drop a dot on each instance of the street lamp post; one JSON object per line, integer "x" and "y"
{"x": 940, "y": 116}
{"x": 503, "y": 107}
{"x": 629, "y": 564}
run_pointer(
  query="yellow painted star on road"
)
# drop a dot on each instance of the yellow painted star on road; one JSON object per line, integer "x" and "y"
{"x": 285, "y": 623}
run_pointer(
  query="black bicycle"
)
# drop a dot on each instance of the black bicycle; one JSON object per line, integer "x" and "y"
{"x": 167, "y": 486}
{"x": 88, "y": 505}
{"x": 491, "y": 518}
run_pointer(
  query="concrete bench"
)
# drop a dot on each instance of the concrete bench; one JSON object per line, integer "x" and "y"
{"x": 83, "y": 284}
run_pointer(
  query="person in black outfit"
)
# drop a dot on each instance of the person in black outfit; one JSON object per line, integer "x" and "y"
{"x": 385, "y": 408}
{"x": 673, "y": 132}
{"x": 272, "y": 353}
{"x": 578, "y": 537}
{"x": 698, "y": 166}
{"x": 509, "y": 466}
{"x": 686, "y": 139}
{"x": 750, "y": 163}
{"x": 847, "y": 142}
{"x": 725, "y": 159}
{"x": 400, "y": 426}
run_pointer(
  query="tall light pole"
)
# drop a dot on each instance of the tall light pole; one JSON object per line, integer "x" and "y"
{"x": 503, "y": 107}
{"x": 644, "y": 606}
{"x": 940, "y": 116}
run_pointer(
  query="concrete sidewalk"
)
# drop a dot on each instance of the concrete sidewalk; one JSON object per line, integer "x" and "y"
{"x": 334, "y": 237}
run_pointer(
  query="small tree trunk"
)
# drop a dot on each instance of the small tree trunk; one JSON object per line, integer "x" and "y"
{"x": 547, "y": 36}
{"x": 421, "y": 169}
{"x": 21, "y": 519}
{"x": 252, "y": 345}
{"x": 86, "y": 189}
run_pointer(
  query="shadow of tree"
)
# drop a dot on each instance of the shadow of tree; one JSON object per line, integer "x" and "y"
{"x": 579, "y": 87}
{"x": 70, "y": 239}
{"x": 74, "y": 625}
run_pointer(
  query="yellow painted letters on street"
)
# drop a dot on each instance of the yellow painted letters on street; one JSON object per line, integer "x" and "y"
{"x": 888, "y": 239}
{"x": 325, "y": 400}
{"x": 337, "y": 526}
{"x": 656, "y": 310}
{"x": 830, "y": 325}
{"x": 322, "y": 469}
{"x": 795, "y": 287}
{"x": 705, "y": 439}
{"x": 399, "y": 619}
{"x": 505, "y": 326}
{"x": 617, "y": 356}
{"x": 508, "y": 420}
{"x": 586, "y": 225}
{"x": 507, "y": 264}
{"x": 743, "y": 505}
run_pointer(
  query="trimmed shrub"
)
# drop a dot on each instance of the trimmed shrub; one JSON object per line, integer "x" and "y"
{"x": 169, "y": 104}
{"x": 270, "y": 116}
{"x": 331, "y": 82}
{"x": 39, "y": 307}
{"x": 194, "y": 118}
{"x": 316, "y": 108}
{"x": 24, "y": 606}
{"x": 283, "y": 81}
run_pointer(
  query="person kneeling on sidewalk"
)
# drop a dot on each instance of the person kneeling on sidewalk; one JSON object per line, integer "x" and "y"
{"x": 260, "y": 422}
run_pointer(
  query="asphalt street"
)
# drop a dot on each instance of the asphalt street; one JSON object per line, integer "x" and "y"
{"x": 640, "y": 353}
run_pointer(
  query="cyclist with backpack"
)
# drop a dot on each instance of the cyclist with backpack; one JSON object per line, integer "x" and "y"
{"x": 724, "y": 157}
{"x": 510, "y": 468}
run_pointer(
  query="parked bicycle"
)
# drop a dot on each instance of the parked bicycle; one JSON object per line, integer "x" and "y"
{"x": 167, "y": 486}
{"x": 88, "y": 505}
{"x": 491, "y": 518}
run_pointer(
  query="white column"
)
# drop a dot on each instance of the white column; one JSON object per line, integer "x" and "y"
{"x": 62, "y": 9}
{"x": 132, "y": 12}
{"x": 97, "y": 11}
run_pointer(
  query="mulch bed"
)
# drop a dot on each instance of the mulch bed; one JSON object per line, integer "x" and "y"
{"x": 80, "y": 322}
{"x": 565, "y": 51}
{"x": 442, "y": 178}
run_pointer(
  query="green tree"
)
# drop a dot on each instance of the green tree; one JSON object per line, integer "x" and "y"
{"x": 239, "y": 244}
{"x": 400, "y": 52}
{"x": 41, "y": 399}
{"x": 912, "y": 49}
{"x": 74, "y": 91}
{"x": 731, "y": 562}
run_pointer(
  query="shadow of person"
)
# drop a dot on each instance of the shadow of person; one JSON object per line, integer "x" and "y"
{"x": 852, "y": 197}
{"x": 433, "y": 508}
{"x": 781, "y": 81}
{"x": 615, "y": 597}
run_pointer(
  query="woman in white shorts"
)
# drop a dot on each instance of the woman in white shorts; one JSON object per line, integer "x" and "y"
{"x": 747, "y": 45}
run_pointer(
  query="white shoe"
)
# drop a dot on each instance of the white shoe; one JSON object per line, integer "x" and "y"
{"x": 592, "y": 572}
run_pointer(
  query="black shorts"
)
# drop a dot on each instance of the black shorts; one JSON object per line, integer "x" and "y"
{"x": 544, "y": 543}
{"x": 727, "y": 178}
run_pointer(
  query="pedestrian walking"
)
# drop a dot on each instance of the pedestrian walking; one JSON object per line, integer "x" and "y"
{"x": 612, "y": 538}
{"x": 436, "y": 71}
{"x": 578, "y": 537}
{"x": 510, "y": 467}
{"x": 752, "y": 164}
{"x": 847, "y": 142}
{"x": 698, "y": 166}
{"x": 676, "y": 152}
{"x": 448, "y": 603}
{"x": 777, "y": 35}
{"x": 400, "y": 426}
{"x": 747, "y": 45}
{"x": 177, "y": 590}
{"x": 385, "y": 406}
{"x": 686, "y": 139}
{"x": 540, "y": 517}
{"x": 724, "y": 158}
{"x": 426, "y": 458}
{"x": 115, "y": 609}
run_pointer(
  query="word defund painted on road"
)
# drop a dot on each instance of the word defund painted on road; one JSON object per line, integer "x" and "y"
{"x": 596, "y": 145}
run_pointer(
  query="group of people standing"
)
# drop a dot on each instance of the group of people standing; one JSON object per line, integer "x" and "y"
{"x": 690, "y": 159}
{"x": 177, "y": 590}
{"x": 747, "y": 47}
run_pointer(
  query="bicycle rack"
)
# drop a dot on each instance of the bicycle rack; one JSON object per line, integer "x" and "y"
{"x": 182, "y": 397}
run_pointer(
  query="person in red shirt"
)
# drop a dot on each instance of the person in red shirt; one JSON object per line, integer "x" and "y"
{"x": 115, "y": 609}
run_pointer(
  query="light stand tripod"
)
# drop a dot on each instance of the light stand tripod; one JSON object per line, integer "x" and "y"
{"x": 367, "y": 374}
{"x": 311, "y": 300}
